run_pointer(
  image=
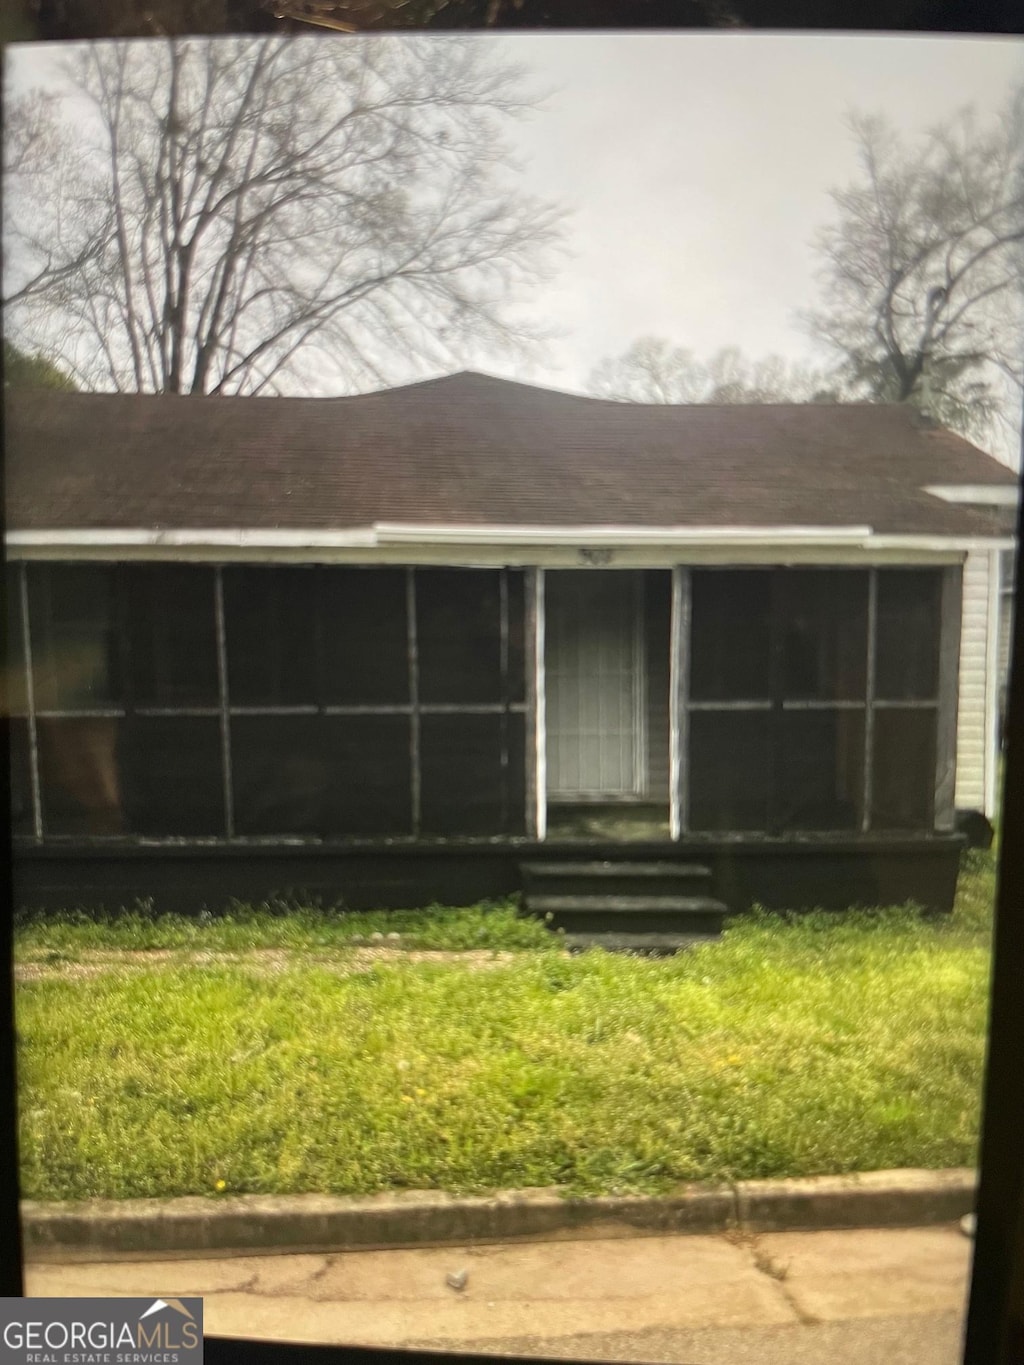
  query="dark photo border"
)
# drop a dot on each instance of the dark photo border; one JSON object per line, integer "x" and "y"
{"x": 995, "y": 1324}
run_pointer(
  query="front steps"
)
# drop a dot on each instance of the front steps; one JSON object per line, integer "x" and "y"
{"x": 639, "y": 907}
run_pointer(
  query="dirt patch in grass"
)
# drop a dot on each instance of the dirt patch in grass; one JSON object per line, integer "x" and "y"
{"x": 271, "y": 961}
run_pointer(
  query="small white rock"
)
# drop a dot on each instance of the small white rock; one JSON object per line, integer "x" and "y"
{"x": 393, "y": 937}
{"x": 457, "y": 1279}
{"x": 378, "y": 937}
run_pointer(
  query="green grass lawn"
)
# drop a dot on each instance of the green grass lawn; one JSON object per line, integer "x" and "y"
{"x": 270, "y": 1054}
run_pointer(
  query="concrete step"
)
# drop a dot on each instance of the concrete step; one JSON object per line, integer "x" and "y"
{"x": 623, "y": 905}
{"x": 629, "y": 914}
{"x": 583, "y": 877}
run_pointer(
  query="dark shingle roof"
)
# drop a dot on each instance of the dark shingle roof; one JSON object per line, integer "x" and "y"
{"x": 471, "y": 449}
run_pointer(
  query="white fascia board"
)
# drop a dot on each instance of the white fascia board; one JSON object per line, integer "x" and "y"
{"x": 958, "y": 543}
{"x": 977, "y": 494}
{"x": 608, "y": 536}
{"x": 227, "y": 539}
{"x": 395, "y": 536}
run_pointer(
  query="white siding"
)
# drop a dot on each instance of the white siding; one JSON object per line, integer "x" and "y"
{"x": 973, "y": 724}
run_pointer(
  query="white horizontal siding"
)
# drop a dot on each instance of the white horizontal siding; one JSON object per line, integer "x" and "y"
{"x": 973, "y": 725}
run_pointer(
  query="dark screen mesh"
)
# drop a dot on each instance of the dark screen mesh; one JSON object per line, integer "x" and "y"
{"x": 730, "y": 769}
{"x": 173, "y": 772}
{"x": 730, "y": 641}
{"x": 364, "y": 637}
{"x": 909, "y": 612}
{"x": 516, "y": 580}
{"x": 800, "y": 637}
{"x": 464, "y": 782}
{"x": 903, "y": 772}
{"x": 76, "y": 647}
{"x": 270, "y": 633}
{"x": 821, "y": 770}
{"x": 22, "y": 817}
{"x": 329, "y": 776}
{"x": 822, "y": 620}
{"x": 172, "y": 631}
{"x": 458, "y": 628}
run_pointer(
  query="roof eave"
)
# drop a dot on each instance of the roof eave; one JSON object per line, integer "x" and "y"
{"x": 394, "y": 535}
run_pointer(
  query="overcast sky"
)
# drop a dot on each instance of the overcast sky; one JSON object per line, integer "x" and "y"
{"x": 696, "y": 168}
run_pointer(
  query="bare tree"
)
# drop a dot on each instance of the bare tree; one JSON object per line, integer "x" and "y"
{"x": 922, "y": 267}
{"x": 238, "y": 216}
{"x": 652, "y": 370}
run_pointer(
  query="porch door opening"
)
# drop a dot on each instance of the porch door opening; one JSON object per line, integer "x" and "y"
{"x": 595, "y": 686}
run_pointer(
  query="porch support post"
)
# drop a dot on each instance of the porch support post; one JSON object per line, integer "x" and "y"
{"x": 678, "y": 715}
{"x": 951, "y": 612}
{"x": 536, "y": 726}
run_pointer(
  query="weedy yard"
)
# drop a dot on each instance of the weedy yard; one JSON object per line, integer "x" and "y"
{"x": 302, "y": 1051}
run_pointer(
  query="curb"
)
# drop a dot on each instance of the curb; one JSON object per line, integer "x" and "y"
{"x": 252, "y": 1224}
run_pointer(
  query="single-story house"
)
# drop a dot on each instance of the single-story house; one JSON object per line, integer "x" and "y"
{"x": 421, "y": 644}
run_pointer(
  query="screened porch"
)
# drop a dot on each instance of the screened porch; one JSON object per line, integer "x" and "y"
{"x": 282, "y": 703}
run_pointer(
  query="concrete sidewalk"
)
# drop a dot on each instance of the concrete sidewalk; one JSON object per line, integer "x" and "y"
{"x": 863, "y": 1297}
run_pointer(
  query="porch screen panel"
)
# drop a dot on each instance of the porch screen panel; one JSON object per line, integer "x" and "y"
{"x": 515, "y": 668}
{"x": 318, "y": 701}
{"x": 730, "y": 636}
{"x": 909, "y": 614}
{"x": 22, "y": 813}
{"x": 730, "y": 770}
{"x": 816, "y": 704}
{"x": 179, "y": 700}
{"x": 906, "y": 698}
{"x": 124, "y": 665}
{"x": 471, "y": 686}
{"x": 321, "y": 775}
{"x": 270, "y": 616}
{"x": 820, "y": 641}
{"x": 77, "y": 661}
{"x": 15, "y": 681}
{"x": 904, "y": 747}
{"x": 364, "y": 637}
{"x": 462, "y": 774}
{"x": 173, "y": 779}
{"x": 14, "y": 704}
{"x": 731, "y": 738}
{"x": 81, "y": 775}
{"x": 821, "y": 620}
{"x": 459, "y": 636}
{"x": 820, "y": 782}
{"x": 80, "y": 688}
{"x": 169, "y": 748}
{"x": 173, "y": 644}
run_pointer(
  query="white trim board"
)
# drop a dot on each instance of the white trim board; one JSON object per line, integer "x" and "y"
{"x": 976, "y": 494}
{"x": 556, "y": 547}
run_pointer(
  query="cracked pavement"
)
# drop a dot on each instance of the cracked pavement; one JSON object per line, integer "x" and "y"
{"x": 859, "y": 1297}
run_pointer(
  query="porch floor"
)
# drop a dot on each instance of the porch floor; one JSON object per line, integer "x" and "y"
{"x": 640, "y": 821}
